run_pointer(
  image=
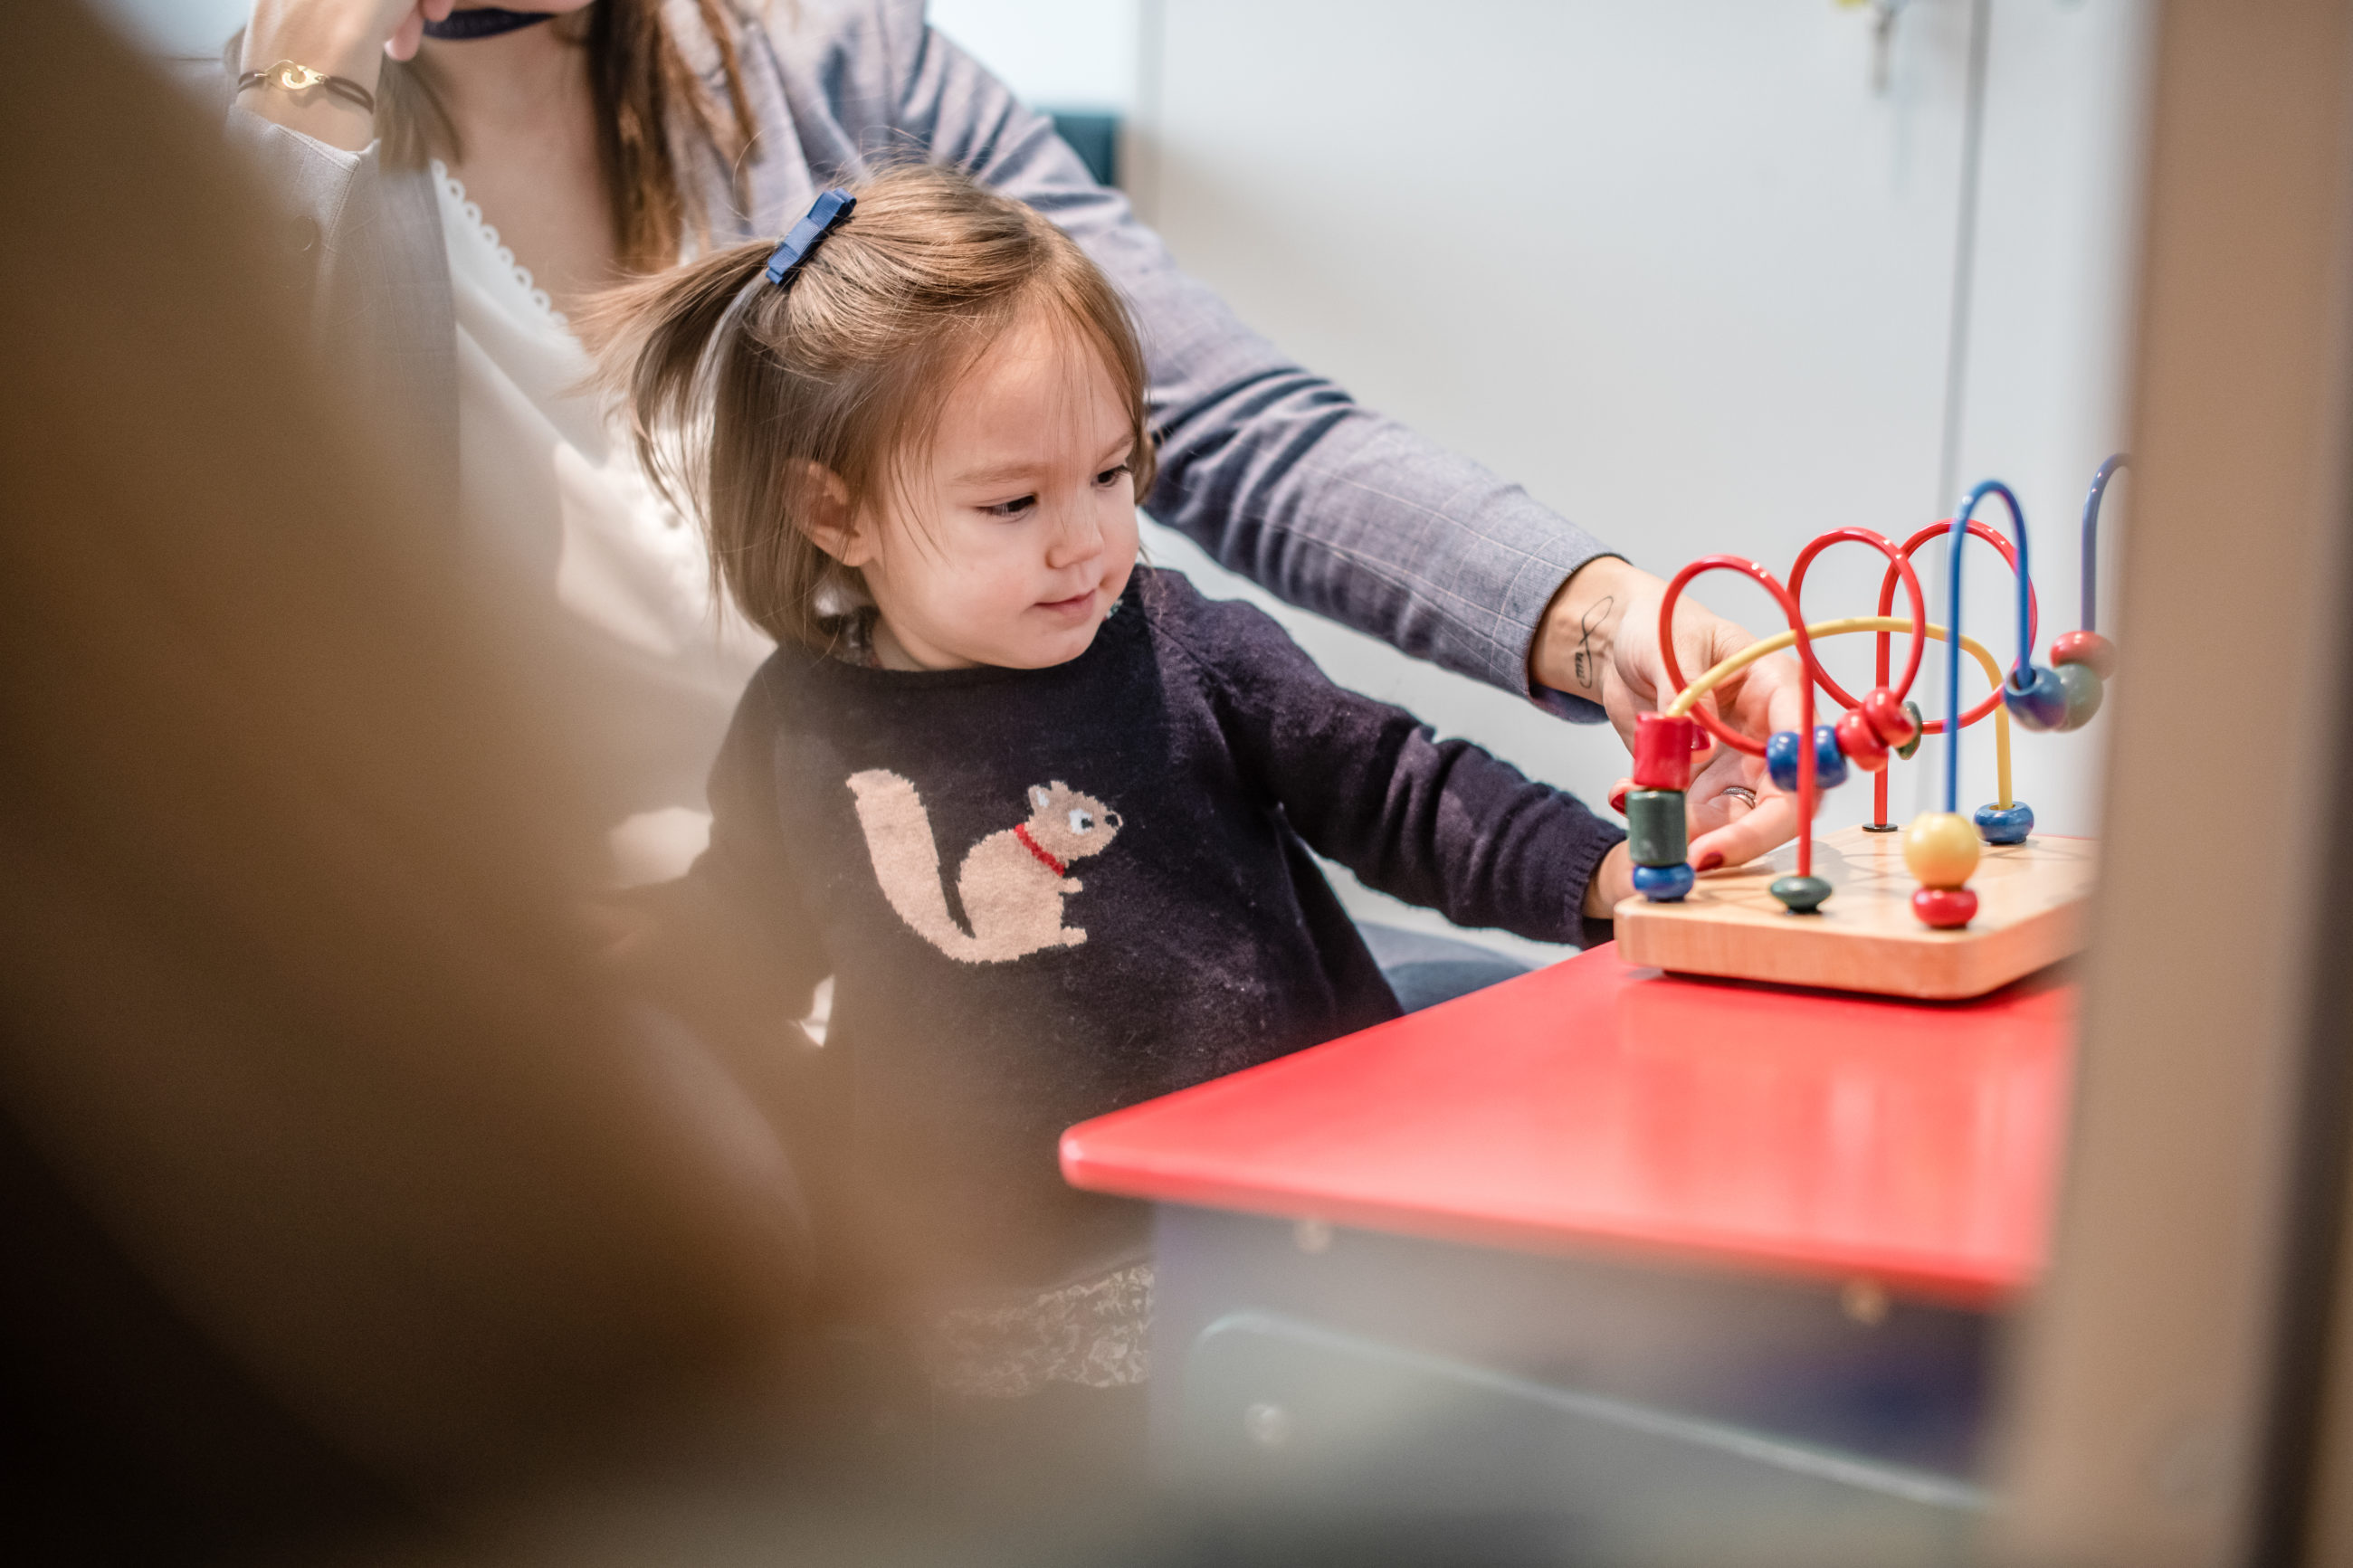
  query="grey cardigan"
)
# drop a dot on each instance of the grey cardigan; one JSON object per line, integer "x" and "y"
{"x": 1278, "y": 473}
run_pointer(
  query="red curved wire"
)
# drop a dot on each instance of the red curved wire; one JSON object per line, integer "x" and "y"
{"x": 1899, "y": 561}
{"x": 1715, "y": 726}
{"x": 1887, "y": 599}
{"x": 1807, "y": 789}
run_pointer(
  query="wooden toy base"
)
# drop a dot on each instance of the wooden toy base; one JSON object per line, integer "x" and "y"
{"x": 2031, "y": 902}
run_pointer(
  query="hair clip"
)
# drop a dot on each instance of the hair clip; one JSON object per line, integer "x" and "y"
{"x": 826, "y": 215}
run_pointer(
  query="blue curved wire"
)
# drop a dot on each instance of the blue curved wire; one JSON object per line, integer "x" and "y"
{"x": 2108, "y": 470}
{"x": 1953, "y": 621}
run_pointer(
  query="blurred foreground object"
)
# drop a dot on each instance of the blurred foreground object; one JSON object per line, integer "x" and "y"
{"x": 2182, "y": 1396}
{"x": 333, "y": 1180}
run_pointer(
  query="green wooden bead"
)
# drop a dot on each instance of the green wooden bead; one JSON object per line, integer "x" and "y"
{"x": 1800, "y": 895}
{"x": 1655, "y": 827}
{"x": 2082, "y": 685}
{"x": 1919, "y": 724}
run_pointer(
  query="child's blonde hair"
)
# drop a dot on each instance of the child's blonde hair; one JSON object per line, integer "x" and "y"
{"x": 744, "y": 396}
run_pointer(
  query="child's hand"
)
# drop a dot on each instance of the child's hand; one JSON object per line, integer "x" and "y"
{"x": 1734, "y": 814}
{"x": 1612, "y": 880}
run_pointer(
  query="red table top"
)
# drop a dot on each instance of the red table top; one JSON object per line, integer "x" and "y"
{"x": 1590, "y": 1105}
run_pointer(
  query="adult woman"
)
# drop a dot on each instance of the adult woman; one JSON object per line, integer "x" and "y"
{"x": 610, "y": 138}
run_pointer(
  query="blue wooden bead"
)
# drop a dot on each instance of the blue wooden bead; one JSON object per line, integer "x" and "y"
{"x": 2039, "y": 704}
{"x": 2083, "y": 686}
{"x": 1830, "y": 762}
{"x": 1664, "y": 884}
{"x": 2005, "y": 824}
{"x": 1800, "y": 895}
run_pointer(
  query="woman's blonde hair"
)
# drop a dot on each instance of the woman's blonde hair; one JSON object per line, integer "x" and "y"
{"x": 748, "y": 399}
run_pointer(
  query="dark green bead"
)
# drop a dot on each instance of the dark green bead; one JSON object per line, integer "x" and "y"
{"x": 1800, "y": 895}
{"x": 1919, "y": 731}
{"x": 1655, "y": 827}
{"x": 2082, "y": 685}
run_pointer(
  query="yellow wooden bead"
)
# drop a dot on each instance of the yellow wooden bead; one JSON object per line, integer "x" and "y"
{"x": 1941, "y": 847}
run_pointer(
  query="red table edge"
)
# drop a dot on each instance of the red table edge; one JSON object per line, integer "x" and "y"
{"x": 1711, "y": 1252}
{"x": 1992, "y": 1288}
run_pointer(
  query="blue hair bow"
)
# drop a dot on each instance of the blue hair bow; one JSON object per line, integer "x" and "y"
{"x": 828, "y": 214}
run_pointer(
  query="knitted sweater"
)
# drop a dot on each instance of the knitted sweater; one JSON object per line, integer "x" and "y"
{"x": 1045, "y": 894}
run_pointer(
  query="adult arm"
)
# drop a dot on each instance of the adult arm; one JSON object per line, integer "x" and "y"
{"x": 1277, "y": 472}
{"x": 1285, "y": 478}
{"x": 368, "y": 236}
{"x": 1438, "y": 823}
{"x": 349, "y": 38}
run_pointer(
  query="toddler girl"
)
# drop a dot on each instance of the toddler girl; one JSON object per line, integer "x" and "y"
{"x": 1042, "y": 812}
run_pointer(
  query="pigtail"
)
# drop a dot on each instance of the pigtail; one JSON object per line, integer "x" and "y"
{"x": 661, "y": 344}
{"x": 664, "y": 344}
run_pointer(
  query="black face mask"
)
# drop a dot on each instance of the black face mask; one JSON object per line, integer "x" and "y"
{"x": 486, "y": 23}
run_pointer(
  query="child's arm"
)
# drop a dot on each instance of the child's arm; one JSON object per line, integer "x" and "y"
{"x": 734, "y": 931}
{"x": 1438, "y": 823}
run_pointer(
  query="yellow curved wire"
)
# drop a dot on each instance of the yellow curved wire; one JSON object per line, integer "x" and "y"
{"x": 1779, "y": 640}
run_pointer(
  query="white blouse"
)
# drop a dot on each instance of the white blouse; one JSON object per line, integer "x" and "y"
{"x": 551, "y": 485}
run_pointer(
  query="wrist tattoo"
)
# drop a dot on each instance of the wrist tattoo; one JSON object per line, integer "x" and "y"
{"x": 1587, "y": 664}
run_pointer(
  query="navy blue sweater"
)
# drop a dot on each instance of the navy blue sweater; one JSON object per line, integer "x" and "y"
{"x": 1046, "y": 894}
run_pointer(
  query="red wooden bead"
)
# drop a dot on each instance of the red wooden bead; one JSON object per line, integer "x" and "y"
{"x": 1945, "y": 909}
{"x": 1662, "y": 750}
{"x": 1887, "y": 717}
{"x": 1618, "y": 792}
{"x": 2089, "y": 649}
{"x": 1861, "y": 743}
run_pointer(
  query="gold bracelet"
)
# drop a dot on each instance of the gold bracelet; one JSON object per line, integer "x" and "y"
{"x": 290, "y": 77}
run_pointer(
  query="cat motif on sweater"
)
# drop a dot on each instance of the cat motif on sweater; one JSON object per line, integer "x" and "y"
{"x": 1011, "y": 884}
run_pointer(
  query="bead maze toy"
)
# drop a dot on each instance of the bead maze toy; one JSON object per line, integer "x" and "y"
{"x": 1962, "y": 905}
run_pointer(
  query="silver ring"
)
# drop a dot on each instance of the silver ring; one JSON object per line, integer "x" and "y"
{"x": 1745, "y": 793}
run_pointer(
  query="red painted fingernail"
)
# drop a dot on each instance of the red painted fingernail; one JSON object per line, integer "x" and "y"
{"x": 1710, "y": 861}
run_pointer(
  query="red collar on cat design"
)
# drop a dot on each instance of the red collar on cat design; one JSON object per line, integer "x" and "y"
{"x": 1021, "y": 831}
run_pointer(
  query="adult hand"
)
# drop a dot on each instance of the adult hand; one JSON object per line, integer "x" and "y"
{"x": 348, "y": 38}
{"x": 1600, "y": 640}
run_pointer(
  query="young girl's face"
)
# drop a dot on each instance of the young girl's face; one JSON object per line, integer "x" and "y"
{"x": 1023, "y": 528}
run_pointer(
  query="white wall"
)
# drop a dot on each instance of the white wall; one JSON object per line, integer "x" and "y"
{"x": 1058, "y": 54}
